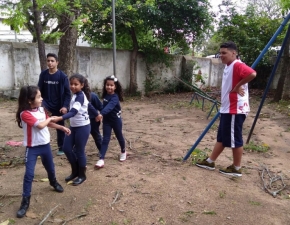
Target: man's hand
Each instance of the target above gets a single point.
(240, 90)
(63, 110)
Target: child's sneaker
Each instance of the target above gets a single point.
(60, 152)
(231, 170)
(123, 156)
(100, 164)
(205, 164)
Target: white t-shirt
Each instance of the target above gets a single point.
(80, 103)
(34, 136)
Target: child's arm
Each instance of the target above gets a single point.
(96, 101)
(111, 105)
(43, 124)
(59, 127)
(78, 102)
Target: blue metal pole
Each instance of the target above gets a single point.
(279, 30)
(269, 83)
(201, 136)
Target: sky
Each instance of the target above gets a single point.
(215, 3)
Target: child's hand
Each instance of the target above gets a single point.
(66, 130)
(63, 110)
(99, 118)
(55, 119)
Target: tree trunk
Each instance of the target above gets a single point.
(133, 64)
(38, 32)
(67, 44)
(284, 70)
(286, 89)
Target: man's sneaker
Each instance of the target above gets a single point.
(231, 170)
(123, 156)
(100, 164)
(60, 152)
(205, 164)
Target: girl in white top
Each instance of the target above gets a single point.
(74, 145)
(34, 122)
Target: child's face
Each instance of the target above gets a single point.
(51, 62)
(37, 101)
(227, 55)
(110, 86)
(75, 85)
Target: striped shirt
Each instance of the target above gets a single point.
(232, 102)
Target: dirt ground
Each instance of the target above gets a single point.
(154, 185)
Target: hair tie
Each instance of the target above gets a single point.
(113, 77)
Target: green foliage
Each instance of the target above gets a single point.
(144, 25)
(252, 147)
(251, 32)
(198, 154)
(21, 14)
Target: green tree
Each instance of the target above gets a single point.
(35, 15)
(251, 33)
(148, 24)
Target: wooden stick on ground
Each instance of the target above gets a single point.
(45, 218)
(76, 217)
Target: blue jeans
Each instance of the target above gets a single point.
(75, 143)
(116, 125)
(59, 133)
(31, 154)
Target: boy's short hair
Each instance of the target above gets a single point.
(230, 45)
(52, 55)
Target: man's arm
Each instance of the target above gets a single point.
(239, 87)
(66, 94)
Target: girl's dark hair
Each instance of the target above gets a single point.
(118, 91)
(27, 94)
(86, 89)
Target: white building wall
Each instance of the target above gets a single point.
(19, 63)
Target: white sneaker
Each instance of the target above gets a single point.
(123, 156)
(100, 164)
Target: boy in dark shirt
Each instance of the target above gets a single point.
(54, 87)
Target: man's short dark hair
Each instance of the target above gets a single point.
(52, 55)
(230, 45)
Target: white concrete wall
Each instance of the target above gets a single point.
(19, 63)
(211, 69)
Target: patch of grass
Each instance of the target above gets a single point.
(252, 147)
(185, 217)
(222, 194)
(198, 154)
(89, 203)
(161, 220)
(127, 222)
(209, 212)
(11, 221)
(254, 203)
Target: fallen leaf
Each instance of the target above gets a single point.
(31, 215)
(70, 182)
(5, 222)
(6, 163)
(44, 179)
